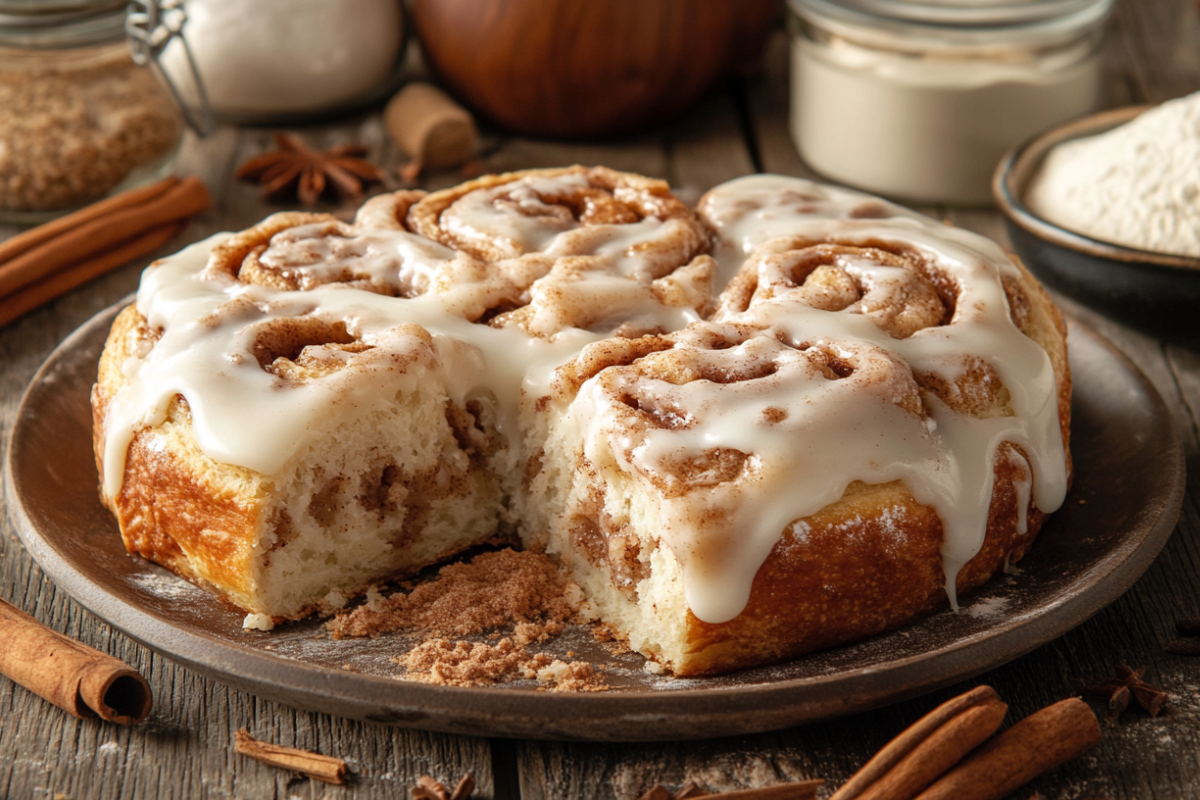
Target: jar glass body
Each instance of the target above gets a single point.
(79, 123)
(283, 61)
(920, 101)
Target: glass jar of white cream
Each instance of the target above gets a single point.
(920, 99)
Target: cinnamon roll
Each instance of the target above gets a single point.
(796, 417)
(594, 249)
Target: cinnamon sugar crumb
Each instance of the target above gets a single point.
(530, 632)
(572, 676)
(612, 640)
(493, 590)
(444, 662)
(447, 663)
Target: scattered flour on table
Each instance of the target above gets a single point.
(1137, 185)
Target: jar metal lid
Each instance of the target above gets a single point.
(1029, 17)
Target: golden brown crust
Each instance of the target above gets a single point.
(825, 587)
(828, 588)
(167, 511)
(203, 519)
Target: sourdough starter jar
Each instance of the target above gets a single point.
(78, 118)
(919, 100)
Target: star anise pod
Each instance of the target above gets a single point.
(429, 789)
(296, 167)
(1126, 682)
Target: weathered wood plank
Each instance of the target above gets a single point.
(185, 749)
(706, 146)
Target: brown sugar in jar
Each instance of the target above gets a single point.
(80, 118)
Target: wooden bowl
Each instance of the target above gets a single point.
(565, 68)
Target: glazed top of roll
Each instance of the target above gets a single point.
(833, 338)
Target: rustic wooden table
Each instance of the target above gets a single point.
(185, 749)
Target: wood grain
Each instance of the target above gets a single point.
(185, 749)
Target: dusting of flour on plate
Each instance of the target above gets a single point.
(988, 607)
(1137, 185)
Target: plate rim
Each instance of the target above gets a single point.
(660, 715)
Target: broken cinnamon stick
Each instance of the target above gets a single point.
(73, 676)
(927, 748)
(80, 236)
(428, 788)
(306, 762)
(33, 295)
(1036, 744)
(798, 790)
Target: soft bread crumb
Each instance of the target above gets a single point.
(332, 603)
(257, 622)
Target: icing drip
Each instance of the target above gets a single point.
(307, 267)
(401, 262)
(800, 432)
(247, 416)
(748, 211)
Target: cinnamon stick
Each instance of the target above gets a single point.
(85, 233)
(12, 247)
(314, 765)
(1036, 744)
(927, 748)
(33, 295)
(73, 676)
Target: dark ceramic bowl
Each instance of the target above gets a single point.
(1156, 293)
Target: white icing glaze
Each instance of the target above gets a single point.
(832, 435)
(745, 212)
(249, 417)
(521, 217)
(834, 431)
(324, 252)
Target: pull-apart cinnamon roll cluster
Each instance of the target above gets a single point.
(792, 418)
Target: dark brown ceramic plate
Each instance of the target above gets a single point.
(1126, 500)
(1156, 293)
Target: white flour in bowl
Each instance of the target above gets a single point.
(1137, 185)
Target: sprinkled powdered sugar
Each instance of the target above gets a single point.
(1137, 185)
